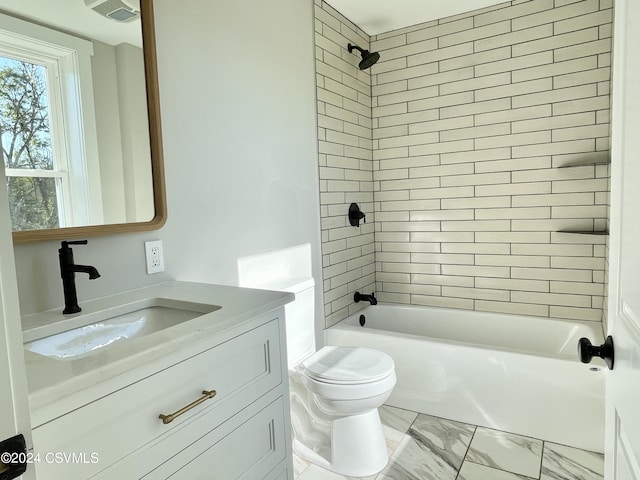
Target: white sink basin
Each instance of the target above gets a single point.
(110, 327)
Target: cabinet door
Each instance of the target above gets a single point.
(123, 429)
(280, 475)
(248, 451)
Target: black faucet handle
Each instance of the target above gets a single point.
(374, 300)
(65, 243)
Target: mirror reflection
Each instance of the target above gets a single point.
(74, 127)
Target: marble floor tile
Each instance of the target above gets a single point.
(473, 471)
(560, 462)
(432, 449)
(437, 449)
(506, 451)
(299, 465)
(395, 423)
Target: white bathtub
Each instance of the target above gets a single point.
(513, 373)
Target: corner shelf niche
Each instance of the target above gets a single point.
(594, 158)
(585, 232)
(598, 158)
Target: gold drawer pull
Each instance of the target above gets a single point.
(206, 395)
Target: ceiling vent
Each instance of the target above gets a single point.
(118, 10)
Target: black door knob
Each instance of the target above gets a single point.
(586, 351)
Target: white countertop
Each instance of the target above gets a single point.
(58, 385)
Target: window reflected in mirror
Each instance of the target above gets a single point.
(74, 122)
(35, 176)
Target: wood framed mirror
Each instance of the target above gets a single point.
(139, 132)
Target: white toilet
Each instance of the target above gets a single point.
(335, 395)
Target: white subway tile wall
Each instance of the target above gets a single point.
(345, 162)
(479, 126)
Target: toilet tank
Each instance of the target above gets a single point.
(299, 317)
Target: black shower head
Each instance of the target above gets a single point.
(368, 58)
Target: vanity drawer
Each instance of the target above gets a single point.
(114, 427)
(279, 474)
(247, 451)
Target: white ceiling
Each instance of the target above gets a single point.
(379, 16)
(372, 16)
(74, 17)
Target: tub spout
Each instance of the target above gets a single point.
(367, 298)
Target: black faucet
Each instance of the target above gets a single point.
(367, 298)
(68, 271)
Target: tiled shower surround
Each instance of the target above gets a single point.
(469, 171)
(345, 159)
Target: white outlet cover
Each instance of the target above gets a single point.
(155, 263)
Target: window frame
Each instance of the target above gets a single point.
(71, 110)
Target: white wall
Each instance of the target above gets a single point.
(105, 93)
(123, 143)
(134, 128)
(238, 110)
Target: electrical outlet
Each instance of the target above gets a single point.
(155, 258)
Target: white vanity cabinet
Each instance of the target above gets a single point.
(240, 432)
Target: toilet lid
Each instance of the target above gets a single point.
(348, 365)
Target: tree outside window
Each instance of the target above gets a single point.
(25, 137)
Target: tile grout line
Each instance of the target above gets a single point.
(475, 429)
(544, 446)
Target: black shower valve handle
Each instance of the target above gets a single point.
(355, 215)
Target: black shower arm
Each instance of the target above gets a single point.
(351, 47)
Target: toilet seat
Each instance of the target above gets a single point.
(348, 373)
(348, 365)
